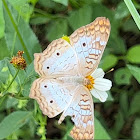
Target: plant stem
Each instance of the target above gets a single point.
(14, 96)
(12, 80)
(133, 12)
(50, 16)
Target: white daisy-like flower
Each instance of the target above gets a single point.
(99, 85)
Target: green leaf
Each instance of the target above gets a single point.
(33, 1)
(64, 2)
(57, 29)
(121, 11)
(27, 79)
(11, 102)
(124, 104)
(133, 55)
(100, 132)
(136, 129)
(130, 26)
(13, 122)
(24, 79)
(122, 76)
(108, 62)
(116, 43)
(2, 23)
(19, 35)
(7, 75)
(119, 122)
(79, 18)
(134, 106)
(30, 70)
(47, 3)
(135, 71)
(3, 49)
(23, 8)
(69, 126)
(39, 20)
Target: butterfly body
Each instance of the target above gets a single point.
(76, 80)
(65, 68)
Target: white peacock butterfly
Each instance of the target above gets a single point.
(68, 73)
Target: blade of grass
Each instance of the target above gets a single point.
(133, 12)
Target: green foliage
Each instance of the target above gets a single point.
(121, 11)
(4, 50)
(109, 61)
(100, 132)
(59, 27)
(2, 25)
(13, 122)
(134, 108)
(79, 18)
(23, 8)
(23, 22)
(122, 76)
(18, 34)
(135, 71)
(136, 129)
(133, 54)
(64, 2)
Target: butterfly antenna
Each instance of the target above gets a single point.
(110, 70)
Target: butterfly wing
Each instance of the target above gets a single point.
(81, 56)
(52, 95)
(89, 43)
(82, 114)
(58, 59)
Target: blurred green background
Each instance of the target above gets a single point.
(30, 25)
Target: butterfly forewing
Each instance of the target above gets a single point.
(89, 42)
(57, 60)
(82, 114)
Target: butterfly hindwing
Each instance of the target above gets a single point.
(52, 95)
(89, 43)
(82, 114)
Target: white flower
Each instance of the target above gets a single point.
(100, 85)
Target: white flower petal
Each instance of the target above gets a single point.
(101, 95)
(102, 84)
(98, 73)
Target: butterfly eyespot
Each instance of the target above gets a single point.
(84, 44)
(51, 101)
(58, 54)
(48, 67)
(45, 86)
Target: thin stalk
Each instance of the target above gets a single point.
(43, 13)
(133, 12)
(12, 80)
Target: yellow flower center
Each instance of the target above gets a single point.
(66, 38)
(90, 82)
